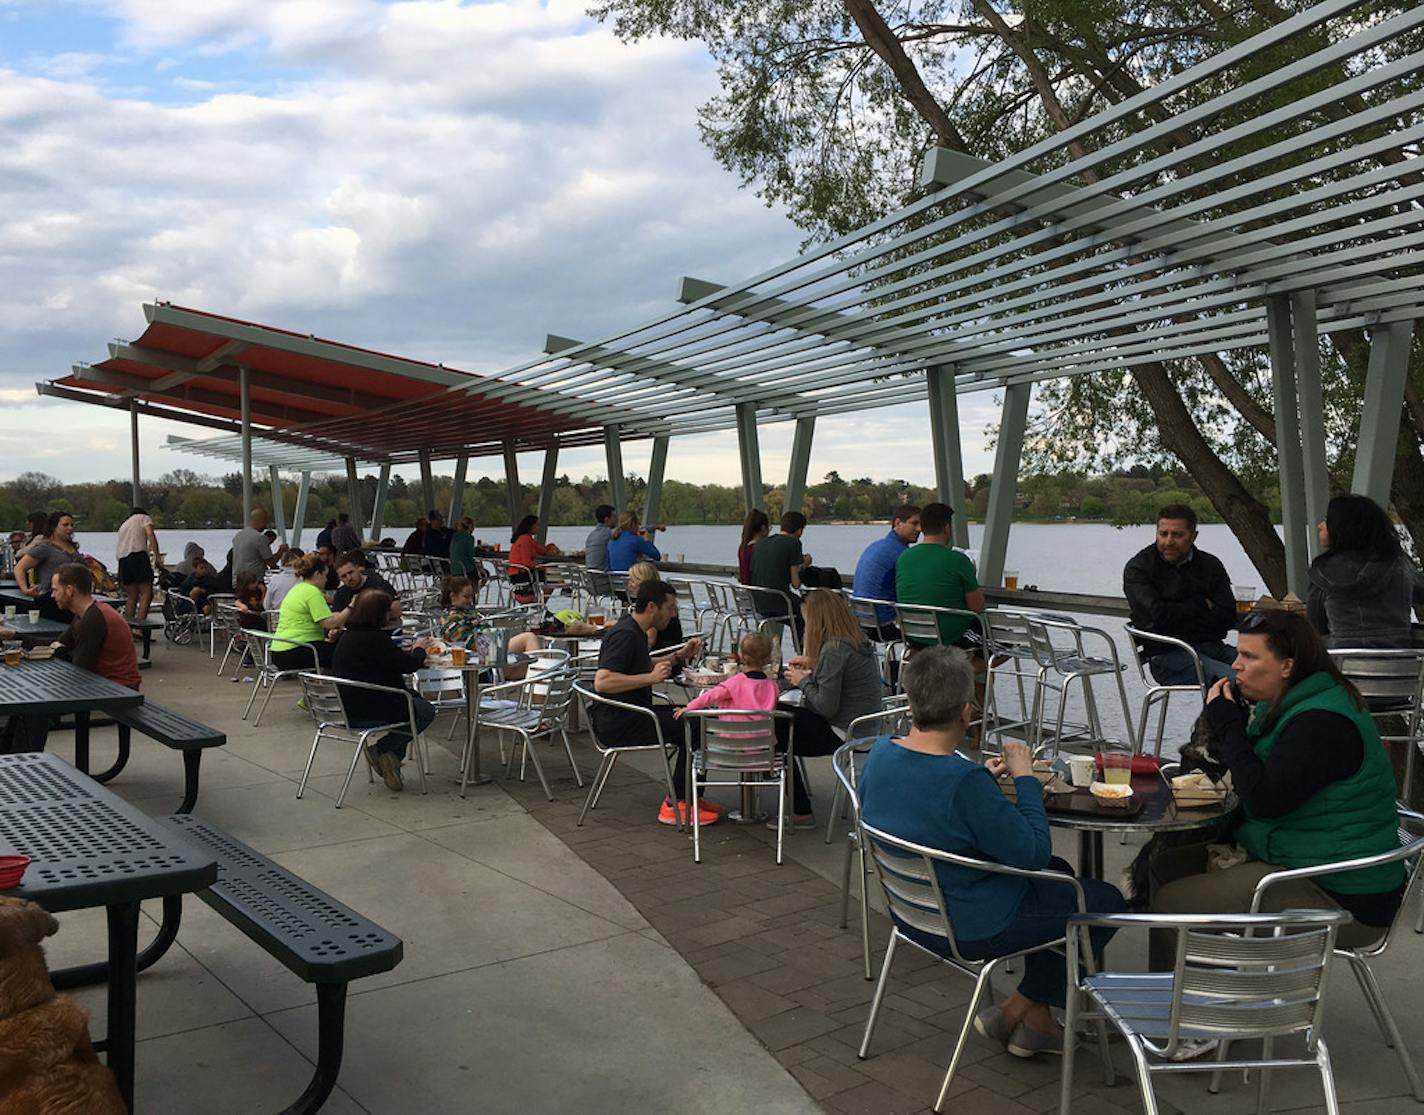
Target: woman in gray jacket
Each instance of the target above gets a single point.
(839, 679)
(1363, 587)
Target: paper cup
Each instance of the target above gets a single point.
(1082, 769)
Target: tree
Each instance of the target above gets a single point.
(828, 107)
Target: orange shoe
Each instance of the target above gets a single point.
(705, 816)
(709, 806)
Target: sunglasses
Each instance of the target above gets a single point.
(1252, 621)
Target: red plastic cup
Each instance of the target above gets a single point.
(12, 870)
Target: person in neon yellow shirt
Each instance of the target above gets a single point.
(305, 619)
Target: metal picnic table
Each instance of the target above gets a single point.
(59, 687)
(89, 848)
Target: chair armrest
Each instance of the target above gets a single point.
(1403, 852)
(593, 697)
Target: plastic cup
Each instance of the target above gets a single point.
(1245, 597)
(10, 611)
(1011, 579)
(34, 617)
(1117, 766)
(13, 647)
(597, 618)
(1082, 769)
(457, 655)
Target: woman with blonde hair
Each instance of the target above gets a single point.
(630, 545)
(839, 679)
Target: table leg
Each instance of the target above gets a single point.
(123, 961)
(472, 772)
(81, 740)
(1090, 854)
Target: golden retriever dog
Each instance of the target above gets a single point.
(47, 1064)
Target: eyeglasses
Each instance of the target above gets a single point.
(1252, 621)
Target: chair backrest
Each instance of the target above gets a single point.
(553, 693)
(439, 686)
(323, 698)
(589, 697)
(864, 610)
(1388, 680)
(892, 720)
(1006, 632)
(919, 623)
(1139, 639)
(229, 620)
(741, 740)
(907, 880)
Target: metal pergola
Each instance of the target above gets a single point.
(1215, 211)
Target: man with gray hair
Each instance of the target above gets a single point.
(921, 790)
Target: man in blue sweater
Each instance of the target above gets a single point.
(875, 571)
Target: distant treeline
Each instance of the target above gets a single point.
(182, 498)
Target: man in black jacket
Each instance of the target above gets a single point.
(1172, 588)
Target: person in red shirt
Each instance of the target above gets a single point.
(99, 639)
(525, 552)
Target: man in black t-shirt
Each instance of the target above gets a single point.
(356, 577)
(626, 673)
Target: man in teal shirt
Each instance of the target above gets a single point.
(935, 573)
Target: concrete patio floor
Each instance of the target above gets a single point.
(550, 967)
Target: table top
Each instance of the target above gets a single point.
(1160, 811)
(54, 685)
(87, 846)
(45, 630)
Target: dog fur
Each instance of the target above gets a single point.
(47, 1064)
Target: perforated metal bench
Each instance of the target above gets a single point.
(316, 937)
(172, 729)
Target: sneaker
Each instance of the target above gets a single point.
(794, 821)
(373, 759)
(1024, 1042)
(990, 1024)
(390, 770)
(705, 816)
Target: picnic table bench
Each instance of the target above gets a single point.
(316, 937)
(173, 730)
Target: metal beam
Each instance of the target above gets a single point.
(657, 467)
(948, 455)
(353, 496)
(512, 492)
(244, 397)
(800, 464)
(1002, 494)
(1381, 410)
(279, 508)
(749, 451)
(378, 509)
(1288, 445)
(427, 485)
(457, 489)
(1305, 336)
(299, 514)
(547, 484)
(133, 440)
(613, 457)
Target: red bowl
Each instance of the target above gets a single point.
(12, 870)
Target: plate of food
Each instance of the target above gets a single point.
(36, 654)
(1113, 795)
(1198, 788)
(703, 677)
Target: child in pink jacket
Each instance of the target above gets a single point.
(749, 689)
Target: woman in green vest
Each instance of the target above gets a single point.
(1316, 786)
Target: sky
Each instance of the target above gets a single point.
(446, 181)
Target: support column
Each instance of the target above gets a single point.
(1380, 412)
(512, 490)
(457, 491)
(353, 496)
(244, 402)
(800, 463)
(1005, 484)
(653, 503)
(427, 485)
(279, 507)
(299, 514)
(1306, 341)
(1288, 445)
(948, 455)
(378, 508)
(613, 455)
(749, 450)
(133, 438)
(546, 489)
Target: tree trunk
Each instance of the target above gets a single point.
(1248, 518)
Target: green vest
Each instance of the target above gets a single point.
(1347, 819)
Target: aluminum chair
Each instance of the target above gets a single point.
(913, 896)
(893, 719)
(323, 696)
(610, 751)
(1008, 650)
(1059, 648)
(540, 710)
(213, 599)
(1411, 853)
(1392, 684)
(1236, 977)
(227, 622)
(741, 743)
(1158, 695)
(268, 673)
(443, 688)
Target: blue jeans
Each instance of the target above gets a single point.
(1174, 667)
(1041, 917)
(397, 741)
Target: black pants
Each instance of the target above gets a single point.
(641, 735)
(299, 658)
(814, 736)
(884, 633)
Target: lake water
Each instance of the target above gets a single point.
(1066, 557)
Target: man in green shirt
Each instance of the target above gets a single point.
(935, 573)
(776, 564)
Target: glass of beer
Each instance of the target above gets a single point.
(1117, 764)
(1011, 579)
(457, 655)
(596, 618)
(1245, 597)
(13, 647)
